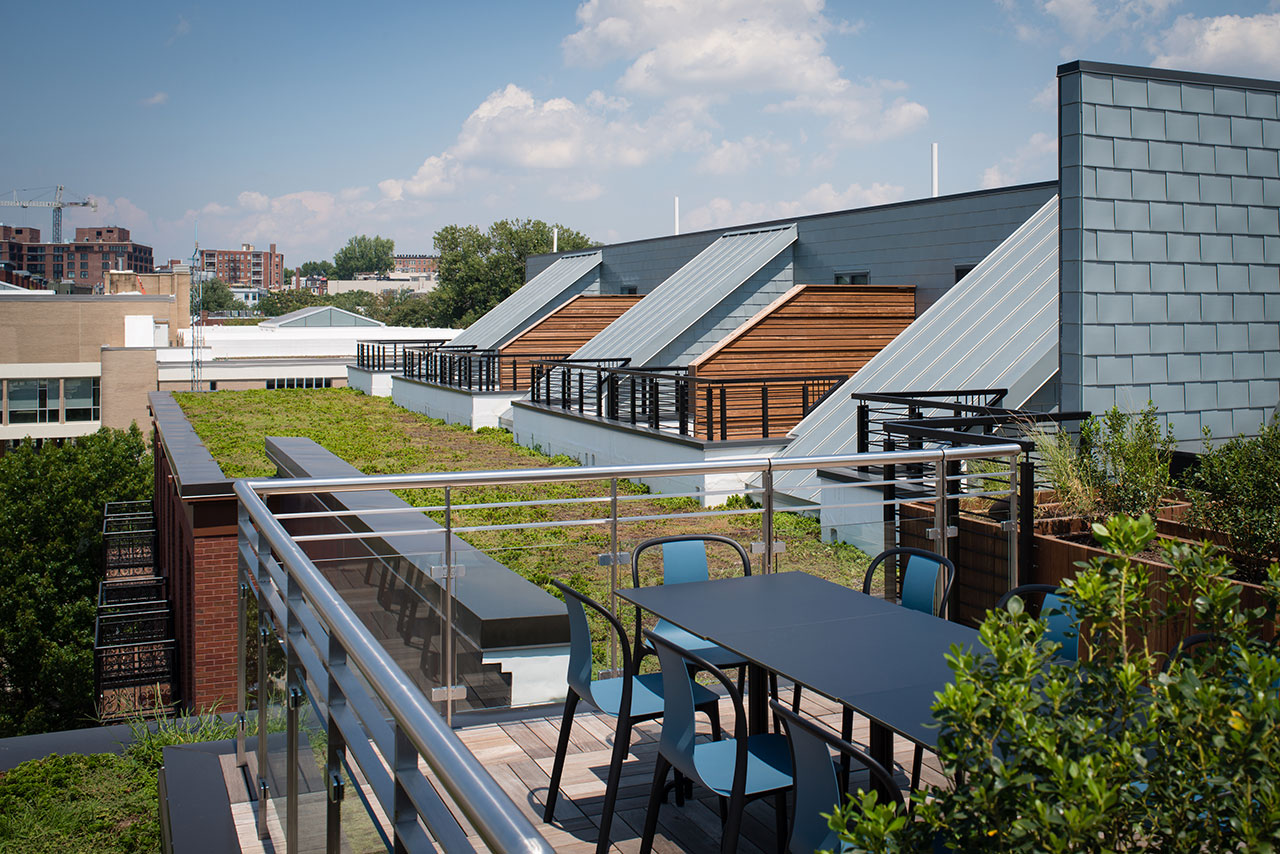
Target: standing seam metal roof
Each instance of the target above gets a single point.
(530, 303)
(996, 328)
(688, 294)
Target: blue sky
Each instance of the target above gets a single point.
(302, 124)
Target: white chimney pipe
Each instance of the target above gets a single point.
(935, 169)
(555, 237)
(677, 215)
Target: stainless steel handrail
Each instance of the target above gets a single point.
(364, 483)
(489, 809)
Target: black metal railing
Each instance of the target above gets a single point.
(477, 370)
(128, 539)
(670, 399)
(135, 649)
(389, 355)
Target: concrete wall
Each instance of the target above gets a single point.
(1170, 246)
(907, 243)
(50, 328)
(594, 442)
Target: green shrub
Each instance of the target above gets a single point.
(1236, 492)
(1115, 753)
(1119, 466)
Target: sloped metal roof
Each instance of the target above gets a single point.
(534, 300)
(688, 294)
(996, 328)
(321, 315)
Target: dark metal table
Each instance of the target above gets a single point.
(878, 658)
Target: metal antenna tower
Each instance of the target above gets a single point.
(197, 322)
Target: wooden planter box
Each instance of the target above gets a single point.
(980, 552)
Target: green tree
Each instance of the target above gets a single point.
(277, 303)
(364, 254)
(213, 295)
(479, 269)
(317, 268)
(414, 311)
(51, 502)
(360, 302)
(1122, 751)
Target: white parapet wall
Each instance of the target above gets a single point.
(372, 383)
(593, 441)
(456, 406)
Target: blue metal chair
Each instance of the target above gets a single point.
(1058, 612)
(629, 698)
(684, 559)
(818, 785)
(736, 769)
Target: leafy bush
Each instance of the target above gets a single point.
(1120, 464)
(1236, 492)
(51, 502)
(1120, 752)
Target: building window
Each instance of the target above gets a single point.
(82, 399)
(963, 270)
(84, 274)
(300, 382)
(33, 401)
(853, 277)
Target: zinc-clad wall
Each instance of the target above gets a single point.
(1170, 246)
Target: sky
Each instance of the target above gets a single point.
(304, 124)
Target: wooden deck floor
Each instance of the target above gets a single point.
(519, 756)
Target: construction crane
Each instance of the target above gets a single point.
(57, 204)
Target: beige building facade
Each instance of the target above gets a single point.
(70, 364)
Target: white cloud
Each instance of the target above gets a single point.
(1047, 98)
(1228, 44)
(253, 201)
(731, 47)
(721, 212)
(156, 100)
(736, 156)
(1074, 25)
(1034, 160)
(180, 29)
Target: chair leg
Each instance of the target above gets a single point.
(733, 824)
(780, 808)
(915, 767)
(712, 711)
(655, 803)
(562, 747)
(621, 744)
(795, 699)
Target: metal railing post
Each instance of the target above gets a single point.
(724, 415)
(291, 757)
(242, 677)
(1026, 520)
(940, 505)
(446, 647)
(1014, 515)
(767, 519)
(404, 761)
(890, 516)
(864, 428)
(264, 788)
(613, 570)
(337, 749)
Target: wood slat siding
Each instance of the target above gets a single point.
(813, 329)
(570, 326)
(561, 333)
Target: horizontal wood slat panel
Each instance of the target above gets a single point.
(570, 326)
(813, 329)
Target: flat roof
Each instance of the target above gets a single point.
(1167, 74)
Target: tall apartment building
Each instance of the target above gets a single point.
(428, 264)
(245, 266)
(83, 261)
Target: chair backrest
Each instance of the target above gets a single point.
(817, 783)
(678, 727)
(684, 559)
(1057, 612)
(926, 578)
(580, 653)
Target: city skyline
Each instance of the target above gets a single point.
(265, 126)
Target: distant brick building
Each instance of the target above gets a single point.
(245, 266)
(83, 261)
(428, 264)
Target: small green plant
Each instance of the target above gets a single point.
(1235, 490)
(152, 736)
(1120, 465)
(1122, 751)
